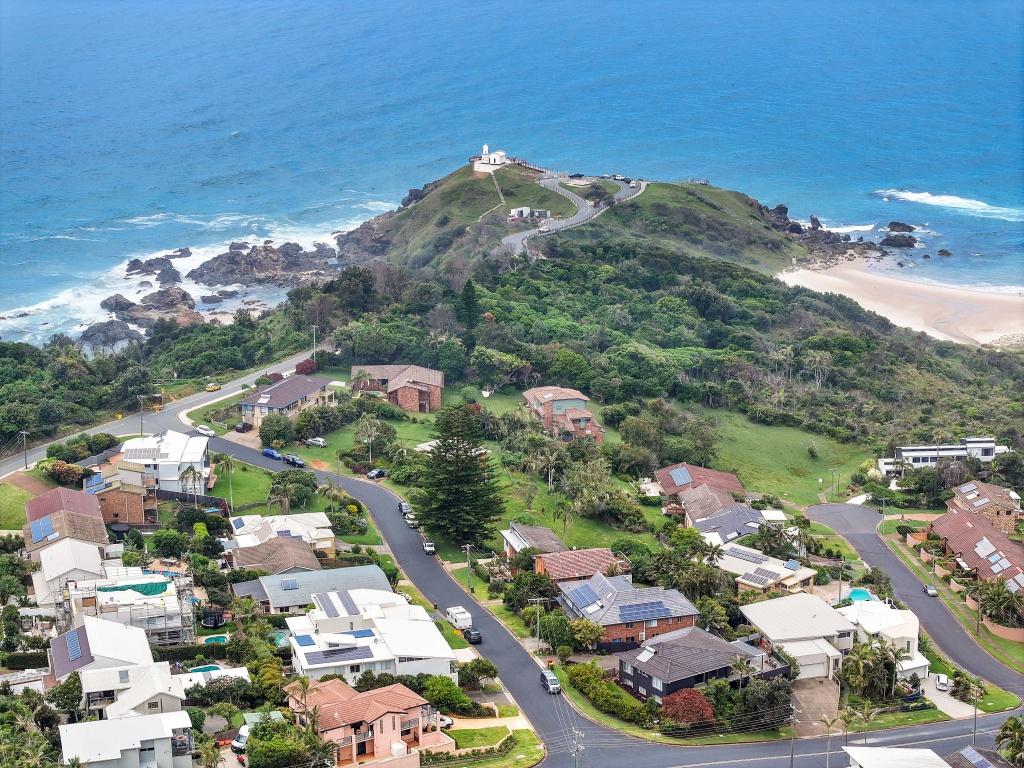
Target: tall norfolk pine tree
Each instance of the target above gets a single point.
(459, 497)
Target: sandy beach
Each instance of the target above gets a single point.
(948, 313)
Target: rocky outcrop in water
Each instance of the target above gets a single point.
(166, 304)
(116, 303)
(253, 264)
(899, 226)
(815, 223)
(899, 241)
(820, 242)
(159, 266)
(109, 334)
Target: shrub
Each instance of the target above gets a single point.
(589, 680)
(688, 706)
(306, 367)
(209, 651)
(25, 660)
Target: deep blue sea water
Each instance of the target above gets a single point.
(129, 129)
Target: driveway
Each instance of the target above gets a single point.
(814, 698)
(953, 707)
(857, 525)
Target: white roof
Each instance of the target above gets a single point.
(758, 569)
(117, 641)
(774, 515)
(188, 679)
(798, 649)
(800, 616)
(99, 740)
(156, 680)
(166, 447)
(311, 527)
(876, 617)
(414, 638)
(894, 757)
(110, 678)
(66, 555)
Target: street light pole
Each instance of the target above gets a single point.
(315, 327)
(24, 446)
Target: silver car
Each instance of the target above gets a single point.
(930, 590)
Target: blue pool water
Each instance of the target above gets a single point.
(206, 668)
(216, 639)
(163, 125)
(857, 595)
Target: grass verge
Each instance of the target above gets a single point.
(453, 636)
(12, 507)
(468, 738)
(526, 751)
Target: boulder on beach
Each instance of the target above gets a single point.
(226, 293)
(181, 253)
(116, 303)
(211, 299)
(109, 334)
(166, 304)
(899, 241)
(795, 228)
(899, 226)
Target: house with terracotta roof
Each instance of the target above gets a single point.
(980, 547)
(678, 477)
(61, 500)
(629, 615)
(387, 725)
(1000, 505)
(60, 514)
(563, 413)
(277, 555)
(577, 564)
(410, 387)
(288, 397)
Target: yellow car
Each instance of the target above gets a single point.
(212, 387)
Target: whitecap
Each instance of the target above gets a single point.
(377, 206)
(953, 202)
(843, 230)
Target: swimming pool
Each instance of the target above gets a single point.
(206, 668)
(280, 637)
(216, 639)
(859, 594)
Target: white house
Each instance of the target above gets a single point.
(129, 691)
(312, 527)
(61, 562)
(520, 213)
(893, 757)
(359, 630)
(897, 628)
(489, 162)
(161, 459)
(807, 628)
(97, 644)
(150, 741)
(757, 572)
(984, 449)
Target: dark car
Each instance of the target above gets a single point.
(376, 474)
(472, 636)
(271, 453)
(404, 508)
(295, 461)
(244, 426)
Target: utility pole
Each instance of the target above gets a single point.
(538, 601)
(834, 472)
(142, 408)
(24, 446)
(974, 736)
(792, 738)
(576, 747)
(314, 342)
(469, 569)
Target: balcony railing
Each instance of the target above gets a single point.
(364, 736)
(409, 724)
(182, 743)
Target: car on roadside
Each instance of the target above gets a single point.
(428, 548)
(205, 431)
(404, 508)
(317, 442)
(243, 427)
(930, 590)
(472, 636)
(272, 453)
(549, 682)
(239, 742)
(376, 474)
(443, 721)
(293, 460)
(212, 387)
(411, 521)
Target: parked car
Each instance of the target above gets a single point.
(212, 386)
(472, 636)
(411, 521)
(376, 474)
(293, 460)
(549, 682)
(930, 590)
(941, 682)
(238, 745)
(272, 453)
(428, 548)
(404, 508)
(243, 426)
(317, 442)
(459, 617)
(443, 721)
(204, 430)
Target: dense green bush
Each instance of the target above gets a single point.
(26, 660)
(589, 680)
(210, 651)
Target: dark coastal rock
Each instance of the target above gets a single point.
(781, 211)
(226, 293)
(944, 252)
(211, 299)
(145, 284)
(236, 246)
(899, 241)
(166, 304)
(159, 266)
(109, 334)
(169, 299)
(249, 265)
(368, 241)
(815, 223)
(926, 256)
(181, 253)
(116, 303)
(135, 265)
(899, 226)
(795, 227)
(168, 276)
(846, 238)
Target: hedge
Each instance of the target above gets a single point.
(589, 680)
(503, 747)
(210, 651)
(26, 660)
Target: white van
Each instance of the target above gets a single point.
(941, 682)
(459, 617)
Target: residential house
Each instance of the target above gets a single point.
(807, 628)
(129, 691)
(976, 757)
(1000, 505)
(189, 679)
(630, 615)
(292, 593)
(376, 725)
(126, 495)
(984, 449)
(349, 632)
(893, 626)
(66, 560)
(410, 387)
(520, 537)
(981, 548)
(60, 500)
(97, 644)
(520, 213)
(736, 520)
(694, 504)
(161, 740)
(63, 514)
(757, 572)
(159, 605)
(686, 658)
(167, 461)
(678, 477)
(281, 554)
(313, 528)
(288, 397)
(893, 757)
(563, 413)
(578, 564)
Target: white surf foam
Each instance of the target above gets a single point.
(953, 202)
(849, 229)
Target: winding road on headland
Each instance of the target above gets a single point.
(516, 242)
(554, 720)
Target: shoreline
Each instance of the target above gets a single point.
(970, 316)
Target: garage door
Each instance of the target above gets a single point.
(815, 669)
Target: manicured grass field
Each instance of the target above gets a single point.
(508, 710)
(249, 485)
(452, 635)
(899, 719)
(890, 525)
(520, 189)
(776, 460)
(466, 738)
(526, 751)
(204, 414)
(12, 507)
(479, 588)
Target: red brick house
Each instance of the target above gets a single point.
(577, 564)
(410, 387)
(563, 412)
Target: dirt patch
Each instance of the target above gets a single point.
(320, 464)
(33, 485)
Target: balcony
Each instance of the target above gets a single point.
(408, 725)
(182, 743)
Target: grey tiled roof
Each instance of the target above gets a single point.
(333, 579)
(619, 601)
(287, 391)
(731, 519)
(686, 653)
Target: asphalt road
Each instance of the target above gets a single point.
(857, 525)
(552, 717)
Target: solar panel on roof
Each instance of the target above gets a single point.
(984, 548)
(305, 641)
(755, 579)
(74, 647)
(792, 565)
(289, 584)
(339, 654)
(997, 567)
(995, 558)
(583, 596)
(681, 476)
(980, 502)
(643, 611)
(645, 655)
(359, 633)
(748, 555)
(1004, 563)
(237, 523)
(968, 488)
(326, 604)
(348, 603)
(766, 573)
(974, 758)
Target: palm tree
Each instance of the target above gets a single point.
(360, 379)
(548, 460)
(209, 755)
(829, 723)
(191, 476)
(565, 511)
(227, 463)
(713, 553)
(743, 668)
(866, 714)
(243, 610)
(278, 497)
(847, 717)
(1010, 739)
(895, 655)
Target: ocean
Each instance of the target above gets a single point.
(131, 129)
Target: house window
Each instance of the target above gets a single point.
(629, 625)
(641, 690)
(652, 623)
(153, 706)
(627, 669)
(656, 684)
(353, 668)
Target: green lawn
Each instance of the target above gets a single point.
(371, 537)
(519, 188)
(478, 585)
(890, 524)
(221, 416)
(508, 710)
(466, 738)
(997, 700)
(775, 460)
(452, 635)
(899, 719)
(249, 485)
(526, 751)
(609, 186)
(12, 507)
(512, 620)
(42, 477)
